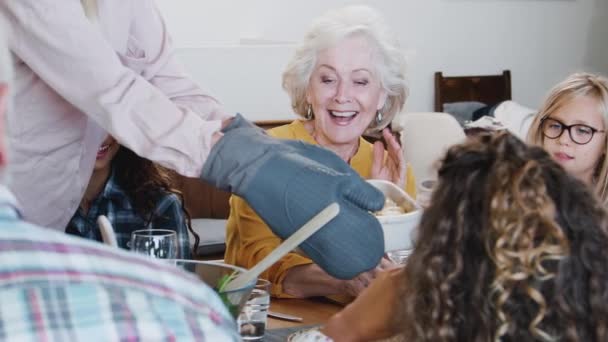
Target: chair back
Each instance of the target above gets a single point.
(488, 89)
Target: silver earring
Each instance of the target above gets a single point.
(309, 113)
(378, 117)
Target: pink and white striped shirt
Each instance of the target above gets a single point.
(76, 80)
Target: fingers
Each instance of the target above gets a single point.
(378, 159)
(392, 168)
(389, 137)
(386, 264)
(356, 285)
(395, 159)
(365, 279)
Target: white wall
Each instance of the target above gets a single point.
(239, 54)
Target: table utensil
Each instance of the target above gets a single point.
(287, 246)
(284, 316)
(108, 236)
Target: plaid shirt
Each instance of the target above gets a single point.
(114, 203)
(54, 287)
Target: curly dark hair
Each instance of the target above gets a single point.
(511, 248)
(145, 182)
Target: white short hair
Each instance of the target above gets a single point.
(330, 29)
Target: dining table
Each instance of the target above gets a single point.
(313, 311)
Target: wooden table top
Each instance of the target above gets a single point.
(312, 310)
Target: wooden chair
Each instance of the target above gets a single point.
(489, 89)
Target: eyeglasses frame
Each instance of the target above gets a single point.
(567, 128)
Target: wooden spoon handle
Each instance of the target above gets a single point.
(309, 228)
(107, 232)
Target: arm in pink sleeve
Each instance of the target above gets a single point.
(150, 38)
(148, 106)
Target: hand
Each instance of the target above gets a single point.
(287, 182)
(372, 314)
(359, 283)
(392, 168)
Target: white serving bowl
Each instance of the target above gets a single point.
(399, 230)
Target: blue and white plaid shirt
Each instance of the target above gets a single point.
(54, 287)
(114, 203)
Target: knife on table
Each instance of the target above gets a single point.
(284, 316)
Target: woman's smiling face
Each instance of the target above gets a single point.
(344, 91)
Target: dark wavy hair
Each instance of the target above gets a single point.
(146, 182)
(512, 248)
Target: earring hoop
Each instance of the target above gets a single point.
(378, 118)
(309, 113)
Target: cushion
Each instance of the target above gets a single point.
(515, 117)
(212, 233)
(462, 111)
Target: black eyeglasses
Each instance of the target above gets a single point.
(579, 133)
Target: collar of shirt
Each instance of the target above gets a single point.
(113, 191)
(111, 202)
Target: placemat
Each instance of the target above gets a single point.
(280, 335)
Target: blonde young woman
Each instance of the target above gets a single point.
(571, 125)
(346, 78)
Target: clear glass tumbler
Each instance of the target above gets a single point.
(253, 317)
(155, 243)
(399, 256)
(424, 192)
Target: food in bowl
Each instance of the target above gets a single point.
(233, 308)
(392, 208)
(399, 228)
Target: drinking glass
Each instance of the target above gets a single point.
(156, 243)
(399, 256)
(253, 317)
(424, 192)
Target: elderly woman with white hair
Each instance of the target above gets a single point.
(346, 79)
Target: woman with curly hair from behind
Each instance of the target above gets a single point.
(512, 248)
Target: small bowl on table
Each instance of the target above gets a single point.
(399, 228)
(212, 273)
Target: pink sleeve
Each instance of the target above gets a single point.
(142, 98)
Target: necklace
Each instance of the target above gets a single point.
(344, 156)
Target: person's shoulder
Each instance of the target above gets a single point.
(290, 131)
(167, 199)
(43, 249)
(365, 144)
(169, 196)
(92, 275)
(366, 149)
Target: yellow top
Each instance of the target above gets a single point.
(249, 239)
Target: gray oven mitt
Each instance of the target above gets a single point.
(287, 182)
